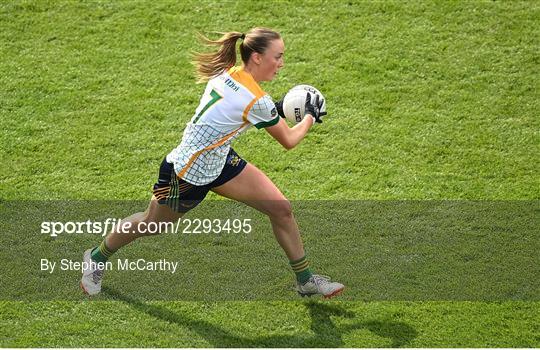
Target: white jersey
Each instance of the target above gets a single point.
(231, 103)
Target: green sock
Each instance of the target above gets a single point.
(101, 253)
(301, 269)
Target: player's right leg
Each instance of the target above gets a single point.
(172, 197)
(93, 274)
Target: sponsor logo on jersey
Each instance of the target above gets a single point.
(231, 84)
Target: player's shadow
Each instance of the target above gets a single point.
(324, 332)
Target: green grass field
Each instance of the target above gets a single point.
(420, 191)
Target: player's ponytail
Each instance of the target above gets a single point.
(211, 64)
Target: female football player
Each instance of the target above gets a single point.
(204, 161)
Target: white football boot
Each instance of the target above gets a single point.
(92, 276)
(319, 284)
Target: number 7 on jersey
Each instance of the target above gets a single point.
(214, 98)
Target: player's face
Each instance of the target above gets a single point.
(272, 59)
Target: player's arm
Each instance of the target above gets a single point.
(290, 137)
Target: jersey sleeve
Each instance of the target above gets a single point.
(263, 113)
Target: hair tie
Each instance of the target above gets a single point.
(243, 36)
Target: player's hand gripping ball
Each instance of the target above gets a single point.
(296, 100)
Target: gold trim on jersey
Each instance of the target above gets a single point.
(246, 79)
(212, 146)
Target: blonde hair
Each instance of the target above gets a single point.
(210, 64)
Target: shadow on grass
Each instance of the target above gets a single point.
(324, 331)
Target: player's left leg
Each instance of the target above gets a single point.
(253, 187)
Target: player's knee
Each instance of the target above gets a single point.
(281, 209)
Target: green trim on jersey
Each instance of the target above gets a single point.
(267, 124)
